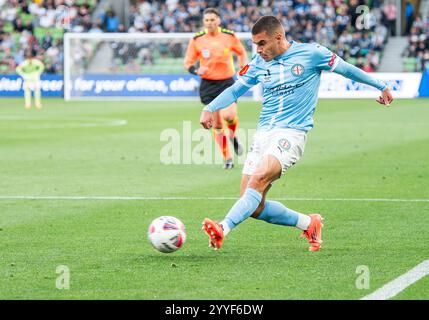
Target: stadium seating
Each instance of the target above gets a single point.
(333, 23)
(416, 55)
(38, 25)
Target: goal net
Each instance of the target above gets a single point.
(131, 65)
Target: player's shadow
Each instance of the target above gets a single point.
(179, 257)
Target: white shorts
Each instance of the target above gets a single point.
(287, 145)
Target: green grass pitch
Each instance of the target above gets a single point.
(357, 150)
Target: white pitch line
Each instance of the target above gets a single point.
(46, 123)
(399, 284)
(133, 198)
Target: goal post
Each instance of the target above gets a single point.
(132, 65)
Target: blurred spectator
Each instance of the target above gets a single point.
(111, 22)
(95, 28)
(417, 53)
(367, 67)
(342, 20)
(353, 11)
(425, 61)
(145, 9)
(409, 15)
(390, 12)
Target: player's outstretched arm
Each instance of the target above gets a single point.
(351, 72)
(206, 119)
(386, 97)
(225, 99)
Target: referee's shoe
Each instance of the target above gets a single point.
(228, 164)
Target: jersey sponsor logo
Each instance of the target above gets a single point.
(284, 144)
(205, 53)
(285, 89)
(243, 70)
(331, 62)
(297, 70)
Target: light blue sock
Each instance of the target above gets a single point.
(276, 213)
(243, 208)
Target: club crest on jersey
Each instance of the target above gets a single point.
(297, 70)
(205, 53)
(284, 144)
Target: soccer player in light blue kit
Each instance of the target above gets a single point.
(290, 76)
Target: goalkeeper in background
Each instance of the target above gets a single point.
(213, 47)
(30, 70)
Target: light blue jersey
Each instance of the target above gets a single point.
(290, 84)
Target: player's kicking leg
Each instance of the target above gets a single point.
(255, 187)
(252, 203)
(230, 116)
(314, 232)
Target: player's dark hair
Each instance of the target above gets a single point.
(269, 24)
(211, 10)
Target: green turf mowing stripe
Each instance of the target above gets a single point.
(399, 284)
(131, 198)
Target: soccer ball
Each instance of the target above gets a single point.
(167, 234)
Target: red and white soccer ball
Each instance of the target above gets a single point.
(167, 234)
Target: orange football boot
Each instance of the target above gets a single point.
(314, 232)
(215, 232)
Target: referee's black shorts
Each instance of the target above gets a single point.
(210, 89)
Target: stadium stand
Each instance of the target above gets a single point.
(333, 23)
(39, 26)
(416, 55)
